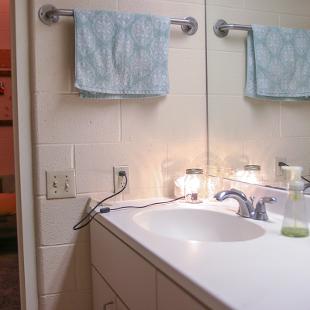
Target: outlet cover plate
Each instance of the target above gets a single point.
(279, 173)
(117, 180)
(60, 184)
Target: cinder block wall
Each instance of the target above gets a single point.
(158, 138)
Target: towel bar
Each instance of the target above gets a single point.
(49, 15)
(221, 28)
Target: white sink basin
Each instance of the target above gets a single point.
(197, 225)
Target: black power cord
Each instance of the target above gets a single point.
(281, 164)
(89, 217)
(107, 209)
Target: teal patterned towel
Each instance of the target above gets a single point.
(121, 55)
(278, 63)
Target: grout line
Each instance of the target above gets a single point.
(120, 121)
(227, 95)
(244, 8)
(227, 51)
(280, 121)
(187, 3)
(59, 245)
(58, 144)
(73, 158)
(225, 6)
(230, 95)
(150, 98)
(75, 268)
(207, 140)
(66, 292)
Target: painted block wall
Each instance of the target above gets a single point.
(157, 138)
(243, 130)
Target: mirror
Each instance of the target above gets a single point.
(244, 131)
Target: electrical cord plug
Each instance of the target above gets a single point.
(105, 210)
(89, 217)
(122, 173)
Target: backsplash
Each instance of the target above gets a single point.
(243, 130)
(157, 138)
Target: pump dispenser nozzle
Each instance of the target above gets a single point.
(294, 177)
(295, 222)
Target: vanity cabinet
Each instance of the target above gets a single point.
(123, 279)
(170, 296)
(103, 296)
(130, 276)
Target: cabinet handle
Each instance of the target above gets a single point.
(106, 306)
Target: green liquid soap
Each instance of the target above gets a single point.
(295, 232)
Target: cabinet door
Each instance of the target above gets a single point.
(120, 305)
(171, 297)
(103, 297)
(131, 277)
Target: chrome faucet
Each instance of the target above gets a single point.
(246, 208)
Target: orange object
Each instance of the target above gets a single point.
(5, 59)
(7, 204)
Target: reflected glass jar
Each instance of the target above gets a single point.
(252, 174)
(194, 185)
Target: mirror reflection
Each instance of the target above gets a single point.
(258, 112)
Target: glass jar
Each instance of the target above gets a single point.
(250, 174)
(253, 174)
(194, 185)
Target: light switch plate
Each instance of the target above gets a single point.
(60, 184)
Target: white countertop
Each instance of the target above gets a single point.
(271, 272)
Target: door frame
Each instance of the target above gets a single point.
(22, 125)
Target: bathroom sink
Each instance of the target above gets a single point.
(197, 225)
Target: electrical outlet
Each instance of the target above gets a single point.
(119, 181)
(278, 170)
(60, 184)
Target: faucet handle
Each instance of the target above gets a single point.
(260, 210)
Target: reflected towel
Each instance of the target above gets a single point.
(278, 63)
(121, 55)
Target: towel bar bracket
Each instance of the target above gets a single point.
(221, 28)
(189, 25)
(217, 28)
(49, 15)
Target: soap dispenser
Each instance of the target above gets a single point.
(295, 222)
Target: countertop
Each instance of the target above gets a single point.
(270, 272)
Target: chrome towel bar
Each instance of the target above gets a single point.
(221, 28)
(49, 15)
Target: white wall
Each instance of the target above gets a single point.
(243, 130)
(157, 138)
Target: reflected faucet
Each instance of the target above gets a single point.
(246, 208)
